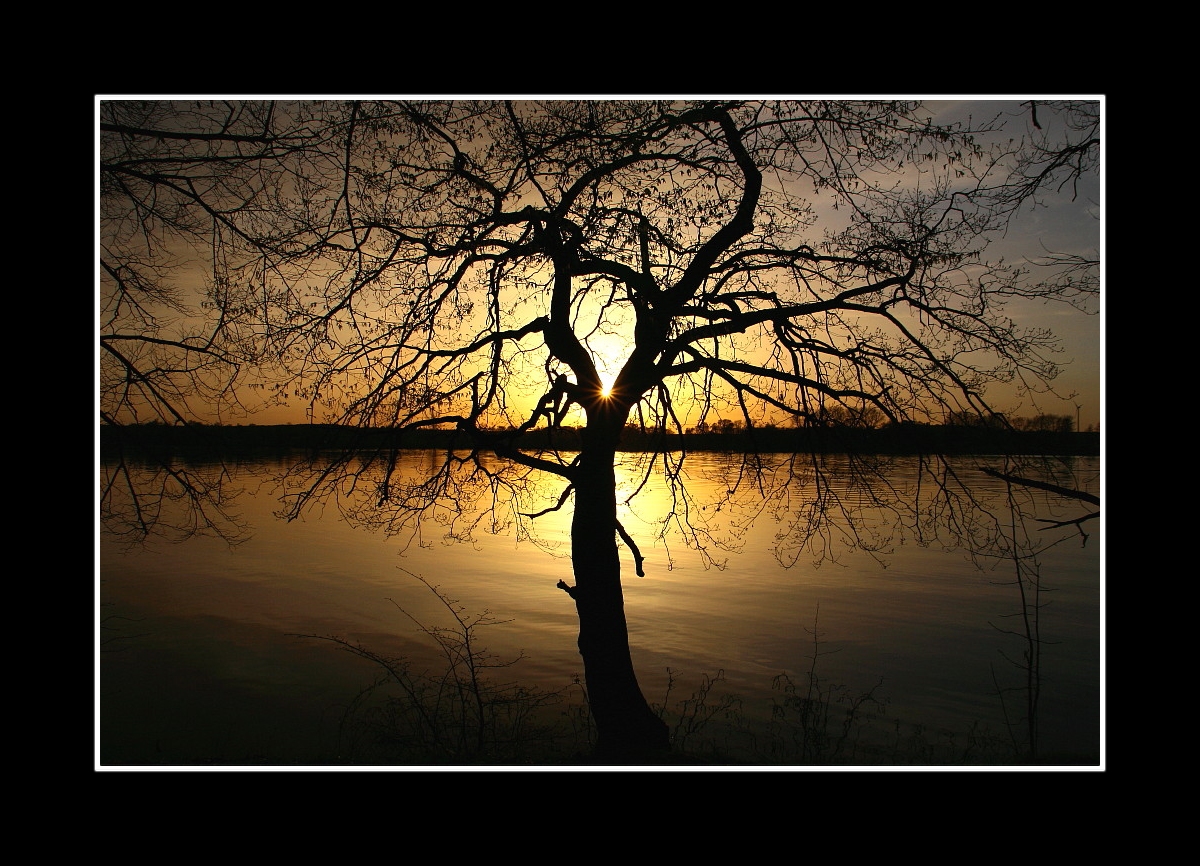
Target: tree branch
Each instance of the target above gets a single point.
(1043, 485)
(638, 559)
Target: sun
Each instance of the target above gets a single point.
(606, 386)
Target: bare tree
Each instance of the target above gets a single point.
(481, 265)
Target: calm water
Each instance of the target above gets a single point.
(204, 670)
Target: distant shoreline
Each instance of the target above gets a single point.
(249, 440)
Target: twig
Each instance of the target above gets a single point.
(562, 499)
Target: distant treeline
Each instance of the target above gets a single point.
(209, 441)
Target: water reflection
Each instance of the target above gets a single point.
(738, 561)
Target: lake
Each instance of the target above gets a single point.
(200, 664)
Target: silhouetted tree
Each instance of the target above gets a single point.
(481, 264)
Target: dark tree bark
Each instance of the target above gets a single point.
(627, 727)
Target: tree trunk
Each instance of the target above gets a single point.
(627, 728)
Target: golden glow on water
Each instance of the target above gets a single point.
(717, 595)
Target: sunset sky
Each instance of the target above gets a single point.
(1070, 224)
